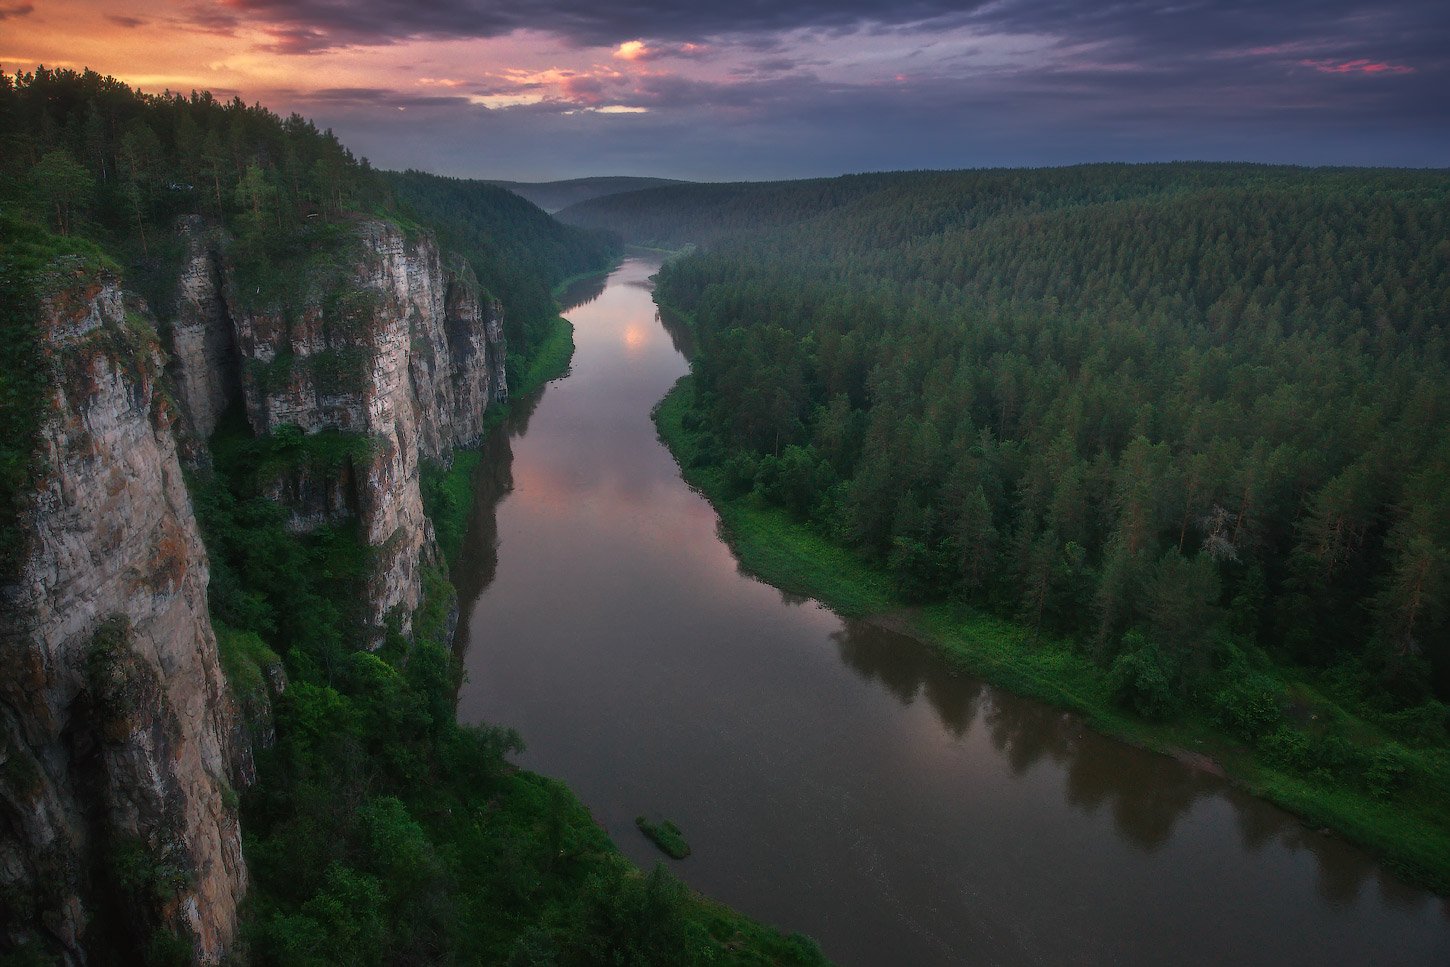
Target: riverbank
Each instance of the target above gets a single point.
(1412, 837)
(448, 490)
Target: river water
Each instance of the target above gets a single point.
(833, 777)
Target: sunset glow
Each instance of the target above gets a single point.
(474, 88)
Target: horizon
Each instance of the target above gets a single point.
(540, 92)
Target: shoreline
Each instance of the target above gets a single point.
(792, 557)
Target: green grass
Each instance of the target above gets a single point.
(546, 361)
(448, 498)
(563, 286)
(664, 834)
(245, 658)
(1410, 830)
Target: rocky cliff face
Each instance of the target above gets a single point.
(204, 365)
(398, 349)
(120, 744)
(118, 731)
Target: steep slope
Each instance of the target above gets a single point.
(316, 346)
(121, 742)
(378, 341)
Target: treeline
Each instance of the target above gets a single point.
(86, 156)
(516, 250)
(1181, 414)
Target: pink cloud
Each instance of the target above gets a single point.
(634, 50)
(638, 50)
(1360, 66)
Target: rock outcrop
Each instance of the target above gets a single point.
(393, 347)
(204, 365)
(119, 734)
(120, 742)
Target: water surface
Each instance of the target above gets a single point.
(833, 777)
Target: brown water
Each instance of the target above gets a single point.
(835, 778)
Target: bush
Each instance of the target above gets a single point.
(740, 470)
(1142, 678)
(1250, 705)
(1425, 724)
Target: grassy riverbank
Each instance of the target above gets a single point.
(563, 286)
(1408, 826)
(448, 490)
(548, 360)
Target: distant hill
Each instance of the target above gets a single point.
(554, 195)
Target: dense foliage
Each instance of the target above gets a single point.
(91, 157)
(517, 251)
(381, 830)
(86, 156)
(1187, 400)
(1188, 416)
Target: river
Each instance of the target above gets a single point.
(833, 777)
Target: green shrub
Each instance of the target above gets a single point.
(664, 834)
(1249, 705)
(1142, 679)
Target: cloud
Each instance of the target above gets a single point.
(303, 26)
(633, 50)
(10, 10)
(638, 50)
(368, 98)
(129, 23)
(1360, 66)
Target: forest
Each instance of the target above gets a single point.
(518, 252)
(379, 830)
(1189, 420)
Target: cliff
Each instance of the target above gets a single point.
(119, 733)
(122, 744)
(382, 341)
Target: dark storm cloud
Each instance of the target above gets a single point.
(1146, 29)
(304, 25)
(1002, 82)
(369, 97)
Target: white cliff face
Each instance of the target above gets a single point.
(116, 722)
(118, 735)
(406, 354)
(204, 364)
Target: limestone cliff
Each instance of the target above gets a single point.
(120, 743)
(204, 365)
(394, 347)
(119, 736)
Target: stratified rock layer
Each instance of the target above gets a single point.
(118, 731)
(398, 349)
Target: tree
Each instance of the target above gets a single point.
(63, 186)
(141, 157)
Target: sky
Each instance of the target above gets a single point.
(536, 90)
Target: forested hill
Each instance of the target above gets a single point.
(518, 251)
(672, 216)
(1194, 419)
(554, 195)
